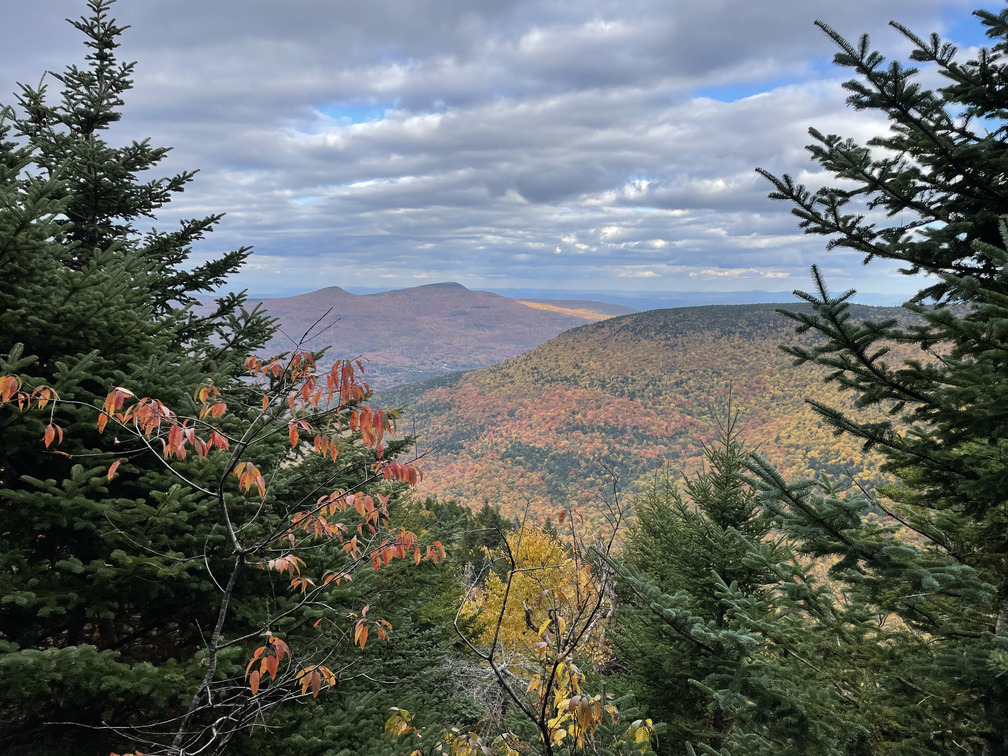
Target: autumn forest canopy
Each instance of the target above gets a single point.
(211, 546)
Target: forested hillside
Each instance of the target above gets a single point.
(627, 395)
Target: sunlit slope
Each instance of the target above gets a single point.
(624, 396)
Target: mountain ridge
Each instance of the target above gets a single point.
(406, 335)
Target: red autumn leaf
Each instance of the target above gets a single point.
(280, 648)
(271, 663)
(201, 446)
(113, 467)
(216, 439)
(254, 682)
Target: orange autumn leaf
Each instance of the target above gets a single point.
(287, 563)
(248, 476)
(43, 395)
(360, 633)
(9, 385)
(115, 398)
(258, 652)
(314, 678)
(52, 432)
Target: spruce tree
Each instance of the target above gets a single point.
(931, 195)
(716, 629)
(105, 591)
(104, 196)
(131, 602)
(685, 541)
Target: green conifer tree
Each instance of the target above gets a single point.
(105, 593)
(715, 630)
(130, 600)
(931, 195)
(104, 196)
(686, 539)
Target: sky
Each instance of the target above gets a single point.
(567, 145)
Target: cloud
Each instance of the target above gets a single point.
(591, 145)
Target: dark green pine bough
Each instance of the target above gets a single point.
(730, 630)
(932, 194)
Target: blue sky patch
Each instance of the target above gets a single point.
(819, 68)
(965, 29)
(348, 113)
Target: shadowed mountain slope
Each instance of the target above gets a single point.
(413, 334)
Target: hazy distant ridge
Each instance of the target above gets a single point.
(413, 334)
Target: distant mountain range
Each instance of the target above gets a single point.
(626, 396)
(640, 300)
(414, 334)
